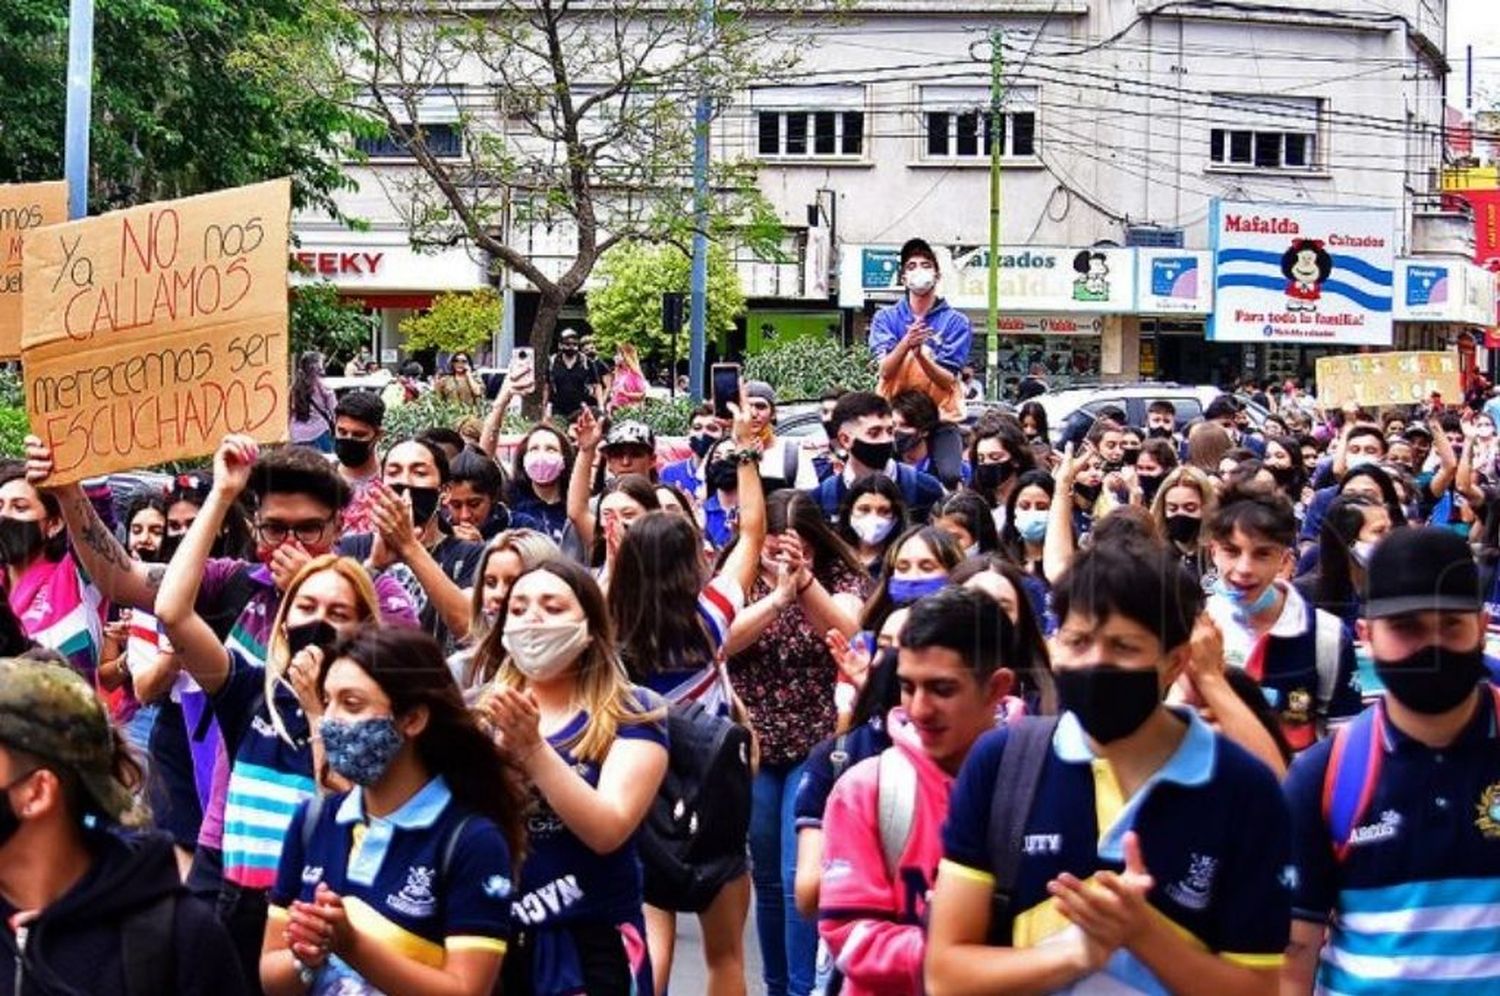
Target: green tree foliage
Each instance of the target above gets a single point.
(323, 321)
(186, 98)
(454, 322)
(804, 368)
(628, 305)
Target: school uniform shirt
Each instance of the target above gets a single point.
(1214, 834)
(873, 917)
(1284, 660)
(919, 491)
(823, 769)
(1414, 906)
(719, 602)
(459, 559)
(685, 474)
(551, 520)
(269, 777)
(389, 872)
(565, 884)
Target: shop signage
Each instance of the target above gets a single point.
(334, 264)
(24, 207)
(1100, 280)
(1291, 273)
(1174, 281)
(1449, 291)
(1010, 325)
(1375, 379)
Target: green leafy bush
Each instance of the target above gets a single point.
(802, 369)
(13, 430)
(666, 418)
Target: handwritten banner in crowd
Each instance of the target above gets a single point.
(151, 333)
(1375, 379)
(24, 207)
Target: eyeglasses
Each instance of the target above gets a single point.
(276, 533)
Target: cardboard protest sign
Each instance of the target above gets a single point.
(24, 207)
(150, 333)
(1375, 379)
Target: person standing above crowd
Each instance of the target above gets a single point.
(922, 344)
(571, 380)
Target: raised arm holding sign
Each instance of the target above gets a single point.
(150, 334)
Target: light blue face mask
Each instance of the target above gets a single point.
(1032, 524)
(1236, 598)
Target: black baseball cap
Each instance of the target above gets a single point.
(917, 247)
(1422, 569)
(1416, 429)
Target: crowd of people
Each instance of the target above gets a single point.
(961, 708)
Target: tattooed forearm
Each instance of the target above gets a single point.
(154, 575)
(100, 540)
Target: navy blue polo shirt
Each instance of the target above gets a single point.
(389, 872)
(1213, 829)
(818, 776)
(1414, 906)
(563, 880)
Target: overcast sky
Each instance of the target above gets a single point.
(1477, 23)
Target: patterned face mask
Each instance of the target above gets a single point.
(360, 750)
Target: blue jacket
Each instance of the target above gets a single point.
(951, 335)
(919, 490)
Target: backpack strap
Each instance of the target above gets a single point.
(450, 846)
(147, 948)
(310, 821)
(1351, 776)
(896, 798)
(1329, 639)
(789, 462)
(839, 756)
(1027, 744)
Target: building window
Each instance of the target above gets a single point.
(809, 122)
(957, 123)
(445, 141)
(1254, 132)
(810, 134)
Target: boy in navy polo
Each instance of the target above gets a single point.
(1396, 819)
(863, 429)
(1302, 656)
(1154, 854)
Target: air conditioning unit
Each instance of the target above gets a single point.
(1153, 237)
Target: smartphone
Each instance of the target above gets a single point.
(526, 357)
(725, 382)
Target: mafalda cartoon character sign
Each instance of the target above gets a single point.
(1092, 282)
(1306, 266)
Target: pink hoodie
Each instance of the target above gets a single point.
(874, 922)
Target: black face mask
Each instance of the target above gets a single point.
(20, 539)
(1110, 702)
(907, 441)
(831, 431)
(701, 443)
(353, 452)
(1088, 492)
(988, 476)
(320, 634)
(1113, 466)
(1159, 432)
(723, 475)
(1131, 455)
(1284, 476)
(1183, 528)
(569, 348)
(872, 455)
(168, 550)
(1150, 484)
(424, 502)
(1432, 680)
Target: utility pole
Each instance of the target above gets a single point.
(697, 340)
(996, 133)
(80, 100)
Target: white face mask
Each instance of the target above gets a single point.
(872, 529)
(1362, 551)
(921, 280)
(1356, 460)
(543, 650)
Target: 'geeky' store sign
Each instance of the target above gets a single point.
(1294, 273)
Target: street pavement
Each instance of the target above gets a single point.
(688, 975)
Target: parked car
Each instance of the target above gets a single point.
(1072, 410)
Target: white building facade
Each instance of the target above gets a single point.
(1123, 122)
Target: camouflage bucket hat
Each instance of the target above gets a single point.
(50, 712)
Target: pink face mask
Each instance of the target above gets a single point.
(543, 467)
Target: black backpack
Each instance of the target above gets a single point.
(693, 840)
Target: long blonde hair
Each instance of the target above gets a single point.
(532, 549)
(278, 651)
(1186, 476)
(629, 357)
(601, 686)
